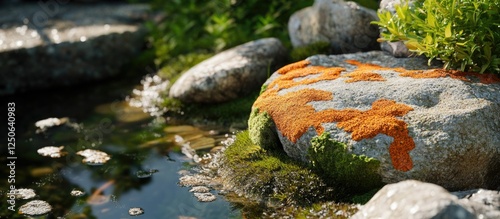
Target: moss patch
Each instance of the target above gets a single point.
(262, 130)
(271, 175)
(355, 173)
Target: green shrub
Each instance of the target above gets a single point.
(464, 34)
(211, 26)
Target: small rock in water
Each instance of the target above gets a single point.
(200, 189)
(77, 193)
(145, 173)
(196, 180)
(35, 208)
(24, 193)
(42, 125)
(135, 211)
(205, 197)
(51, 151)
(94, 157)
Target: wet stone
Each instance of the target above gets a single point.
(77, 193)
(25, 193)
(35, 208)
(94, 157)
(145, 173)
(205, 197)
(51, 151)
(199, 189)
(194, 180)
(43, 124)
(135, 211)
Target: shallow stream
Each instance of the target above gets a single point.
(144, 166)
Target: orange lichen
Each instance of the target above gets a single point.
(455, 74)
(381, 119)
(296, 65)
(363, 76)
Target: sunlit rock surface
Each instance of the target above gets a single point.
(345, 25)
(59, 43)
(431, 125)
(231, 73)
(417, 200)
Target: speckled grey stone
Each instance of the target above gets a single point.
(231, 73)
(57, 43)
(412, 199)
(345, 25)
(454, 124)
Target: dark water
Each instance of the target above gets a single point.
(99, 119)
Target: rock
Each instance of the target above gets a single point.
(231, 73)
(483, 202)
(345, 25)
(432, 125)
(398, 48)
(413, 199)
(56, 43)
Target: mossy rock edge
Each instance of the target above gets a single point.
(262, 130)
(355, 173)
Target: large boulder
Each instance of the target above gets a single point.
(345, 25)
(231, 73)
(56, 43)
(431, 125)
(417, 200)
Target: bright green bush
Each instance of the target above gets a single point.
(464, 34)
(202, 26)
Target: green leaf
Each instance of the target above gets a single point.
(447, 31)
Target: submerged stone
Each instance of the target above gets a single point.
(145, 173)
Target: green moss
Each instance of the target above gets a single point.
(301, 53)
(262, 130)
(354, 173)
(271, 175)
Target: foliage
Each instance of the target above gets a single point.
(301, 53)
(355, 173)
(464, 34)
(195, 26)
